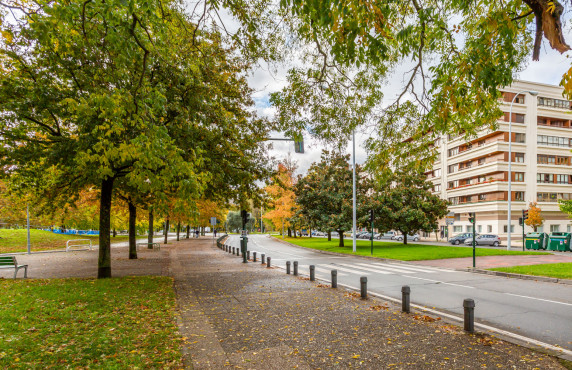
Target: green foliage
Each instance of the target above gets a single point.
(566, 207)
(112, 323)
(407, 204)
(325, 193)
(398, 251)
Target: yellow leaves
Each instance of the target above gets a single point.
(551, 7)
(8, 36)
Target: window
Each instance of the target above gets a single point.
(556, 103)
(482, 197)
(452, 184)
(519, 157)
(489, 228)
(540, 229)
(562, 179)
(519, 118)
(437, 172)
(454, 200)
(519, 195)
(437, 187)
(453, 168)
(544, 178)
(553, 197)
(542, 159)
(554, 228)
(562, 161)
(479, 228)
(457, 229)
(511, 228)
(482, 179)
(554, 141)
(469, 228)
(519, 138)
(481, 161)
(568, 228)
(519, 176)
(481, 142)
(453, 151)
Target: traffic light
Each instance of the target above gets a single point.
(299, 146)
(472, 217)
(245, 216)
(524, 215)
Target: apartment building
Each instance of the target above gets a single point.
(473, 175)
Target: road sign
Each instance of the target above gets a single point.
(450, 218)
(213, 221)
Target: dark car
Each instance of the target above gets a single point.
(459, 239)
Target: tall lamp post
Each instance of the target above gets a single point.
(508, 229)
(354, 190)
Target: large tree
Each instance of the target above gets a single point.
(406, 203)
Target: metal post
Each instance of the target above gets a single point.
(28, 221)
(334, 278)
(268, 262)
(523, 230)
(295, 268)
(354, 189)
(288, 267)
(469, 317)
(262, 258)
(363, 286)
(371, 232)
(247, 255)
(474, 235)
(405, 298)
(253, 256)
(312, 273)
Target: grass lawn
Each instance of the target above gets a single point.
(555, 270)
(16, 240)
(399, 251)
(81, 323)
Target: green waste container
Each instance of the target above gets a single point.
(559, 241)
(536, 241)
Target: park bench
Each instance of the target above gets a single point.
(9, 262)
(78, 244)
(146, 245)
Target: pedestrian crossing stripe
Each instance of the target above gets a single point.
(361, 268)
(318, 269)
(385, 267)
(407, 268)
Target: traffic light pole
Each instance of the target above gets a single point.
(372, 232)
(524, 215)
(473, 220)
(244, 239)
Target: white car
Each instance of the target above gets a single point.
(414, 237)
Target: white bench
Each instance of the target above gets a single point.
(9, 262)
(81, 243)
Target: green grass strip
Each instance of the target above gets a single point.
(399, 251)
(109, 323)
(554, 270)
(16, 240)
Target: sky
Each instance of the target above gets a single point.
(549, 69)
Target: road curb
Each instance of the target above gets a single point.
(518, 276)
(468, 269)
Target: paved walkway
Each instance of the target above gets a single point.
(249, 316)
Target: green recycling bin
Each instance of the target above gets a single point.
(536, 241)
(559, 241)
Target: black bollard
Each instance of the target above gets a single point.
(267, 261)
(334, 278)
(363, 286)
(247, 255)
(405, 301)
(288, 267)
(312, 273)
(262, 258)
(469, 306)
(295, 268)
(253, 256)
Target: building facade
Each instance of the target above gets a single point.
(473, 174)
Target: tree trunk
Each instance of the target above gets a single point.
(132, 231)
(310, 232)
(341, 235)
(114, 232)
(289, 232)
(294, 229)
(329, 235)
(166, 230)
(151, 231)
(188, 231)
(203, 231)
(178, 230)
(405, 238)
(104, 260)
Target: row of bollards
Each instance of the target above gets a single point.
(468, 304)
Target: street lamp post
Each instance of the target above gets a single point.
(354, 189)
(508, 229)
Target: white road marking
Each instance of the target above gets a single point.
(305, 270)
(363, 268)
(384, 268)
(441, 282)
(539, 299)
(420, 268)
(348, 270)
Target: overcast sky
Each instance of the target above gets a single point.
(549, 69)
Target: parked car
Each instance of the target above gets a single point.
(377, 236)
(458, 239)
(366, 236)
(389, 235)
(485, 239)
(414, 237)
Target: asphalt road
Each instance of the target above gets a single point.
(536, 310)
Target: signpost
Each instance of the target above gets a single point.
(473, 220)
(213, 222)
(449, 220)
(371, 219)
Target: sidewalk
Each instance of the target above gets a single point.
(248, 316)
